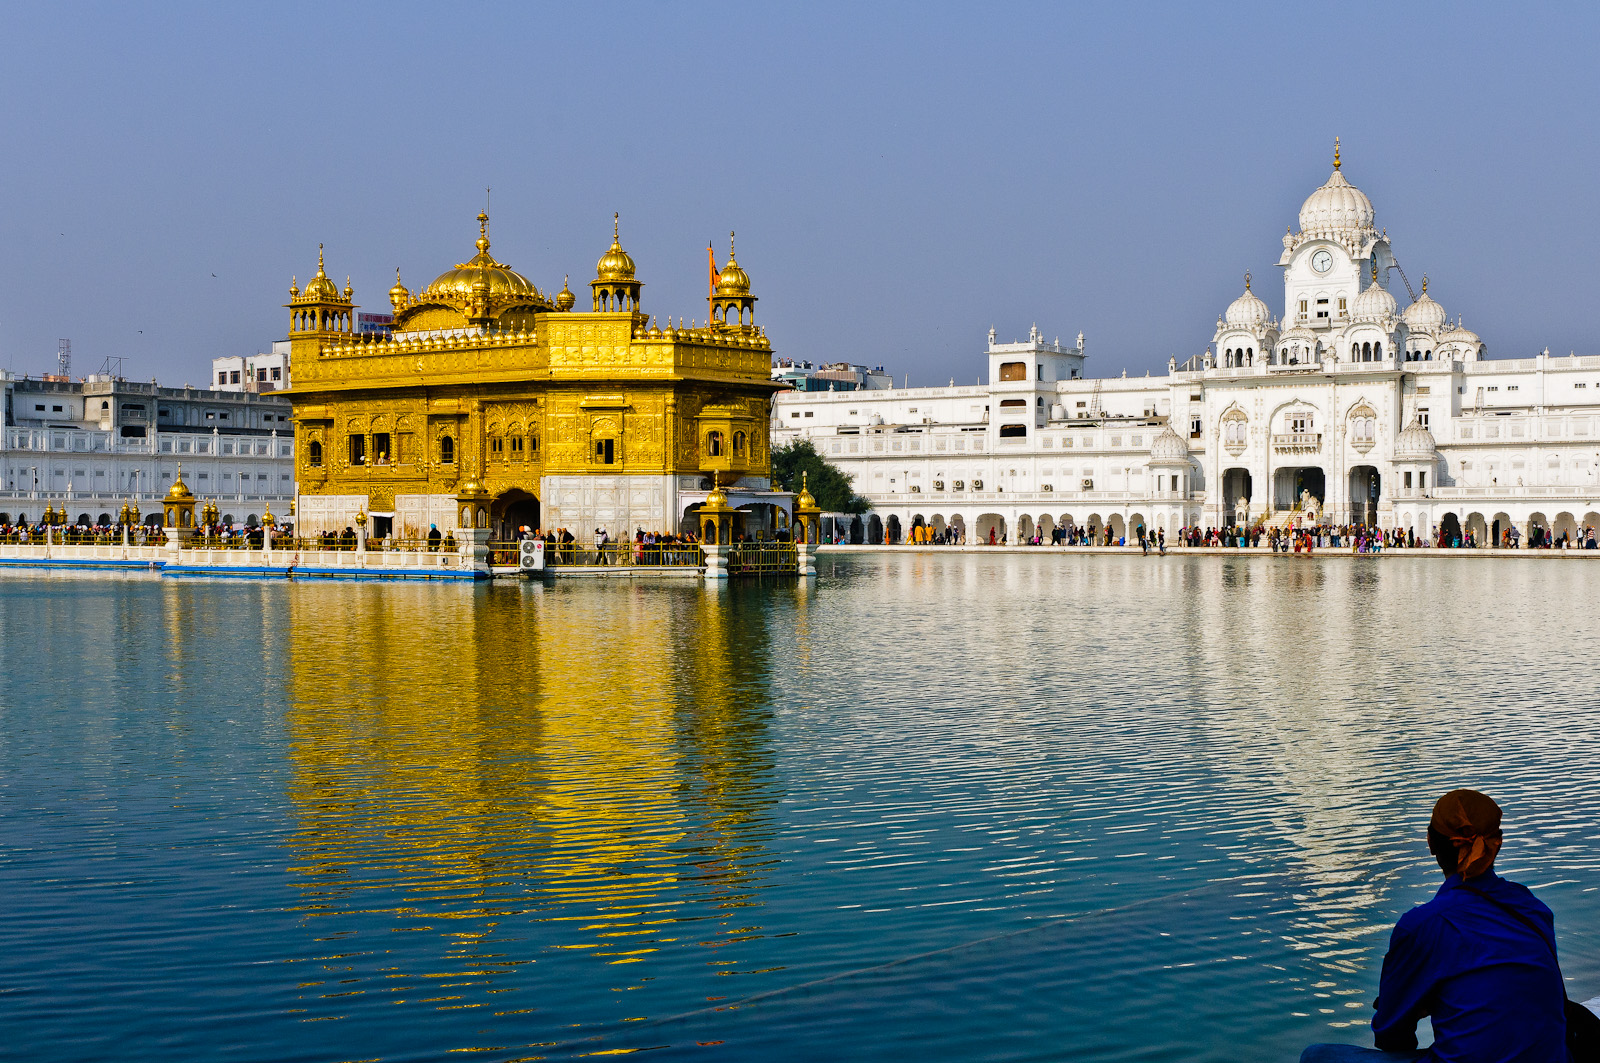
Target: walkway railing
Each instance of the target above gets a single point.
(660, 555)
(759, 559)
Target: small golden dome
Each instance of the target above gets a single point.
(348, 291)
(805, 500)
(616, 264)
(399, 295)
(564, 298)
(732, 280)
(180, 491)
(320, 286)
(294, 287)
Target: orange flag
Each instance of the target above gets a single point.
(711, 279)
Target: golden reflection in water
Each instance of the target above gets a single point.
(591, 759)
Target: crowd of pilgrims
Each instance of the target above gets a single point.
(1358, 538)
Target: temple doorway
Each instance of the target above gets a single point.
(1291, 485)
(513, 510)
(1365, 485)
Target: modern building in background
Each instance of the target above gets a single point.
(254, 372)
(836, 376)
(87, 446)
(1347, 408)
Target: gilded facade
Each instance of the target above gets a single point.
(569, 418)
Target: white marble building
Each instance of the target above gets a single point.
(1348, 408)
(87, 446)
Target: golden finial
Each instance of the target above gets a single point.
(1335, 153)
(730, 245)
(1246, 280)
(1374, 269)
(616, 225)
(320, 271)
(1424, 284)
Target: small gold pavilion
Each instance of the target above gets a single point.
(491, 390)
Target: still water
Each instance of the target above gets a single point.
(980, 808)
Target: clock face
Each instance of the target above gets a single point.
(1322, 261)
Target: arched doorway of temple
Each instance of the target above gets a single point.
(1236, 496)
(1365, 485)
(1451, 525)
(513, 510)
(1292, 485)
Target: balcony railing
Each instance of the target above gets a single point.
(1299, 441)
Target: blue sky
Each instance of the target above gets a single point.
(902, 177)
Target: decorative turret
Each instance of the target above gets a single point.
(399, 295)
(178, 509)
(564, 298)
(615, 289)
(321, 307)
(731, 300)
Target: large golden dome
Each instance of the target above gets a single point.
(616, 264)
(481, 270)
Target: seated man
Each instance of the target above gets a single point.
(1480, 959)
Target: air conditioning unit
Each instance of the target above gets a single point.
(1049, 487)
(916, 489)
(977, 485)
(938, 485)
(960, 484)
(1088, 485)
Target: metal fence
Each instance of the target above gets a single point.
(658, 555)
(762, 559)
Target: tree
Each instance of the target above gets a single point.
(832, 489)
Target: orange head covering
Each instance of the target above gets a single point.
(1471, 822)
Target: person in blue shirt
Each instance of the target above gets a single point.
(1479, 960)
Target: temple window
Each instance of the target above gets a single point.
(358, 449)
(533, 444)
(315, 454)
(447, 451)
(714, 444)
(1013, 371)
(516, 448)
(497, 446)
(738, 443)
(380, 447)
(605, 451)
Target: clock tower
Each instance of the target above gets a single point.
(1325, 262)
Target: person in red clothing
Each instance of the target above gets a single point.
(1479, 960)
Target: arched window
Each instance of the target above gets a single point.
(315, 454)
(1355, 352)
(714, 444)
(1377, 352)
(447, 451)
(738, 443)
(1366, 352)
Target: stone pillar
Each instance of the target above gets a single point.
(473, 546)
(716, 555)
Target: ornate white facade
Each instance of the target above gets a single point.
(1347, 406)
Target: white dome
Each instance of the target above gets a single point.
(1338, 204)
(1415, 443)
(1247, 310)
(1169, 448)
(1374, 304)
(1424, 315)
(1460, 335)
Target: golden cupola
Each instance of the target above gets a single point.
(399, 295)
(321, 307)
(732, 305)
(565, 300)
(615, 289)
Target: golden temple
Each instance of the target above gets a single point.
(493, 392)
